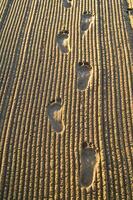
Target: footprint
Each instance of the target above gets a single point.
(62, 40)
(67, 3)
(87, 19)
(54, 112)
(88, 164)
(84, 73)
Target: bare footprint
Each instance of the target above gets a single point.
(62, 40)
(87, 19)
(54, 111)
(84, 73)
(88, 164)
(67, 3)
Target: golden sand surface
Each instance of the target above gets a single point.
(65, 99)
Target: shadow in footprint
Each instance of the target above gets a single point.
(84, 73)
(67, 3)
(54, 112)
(87, 19)
(88, 164)
(63, 42)
(130, 11)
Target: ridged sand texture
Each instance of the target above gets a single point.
(36, 162)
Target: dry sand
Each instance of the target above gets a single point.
(52, 106)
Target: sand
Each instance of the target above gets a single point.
(50, 108)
